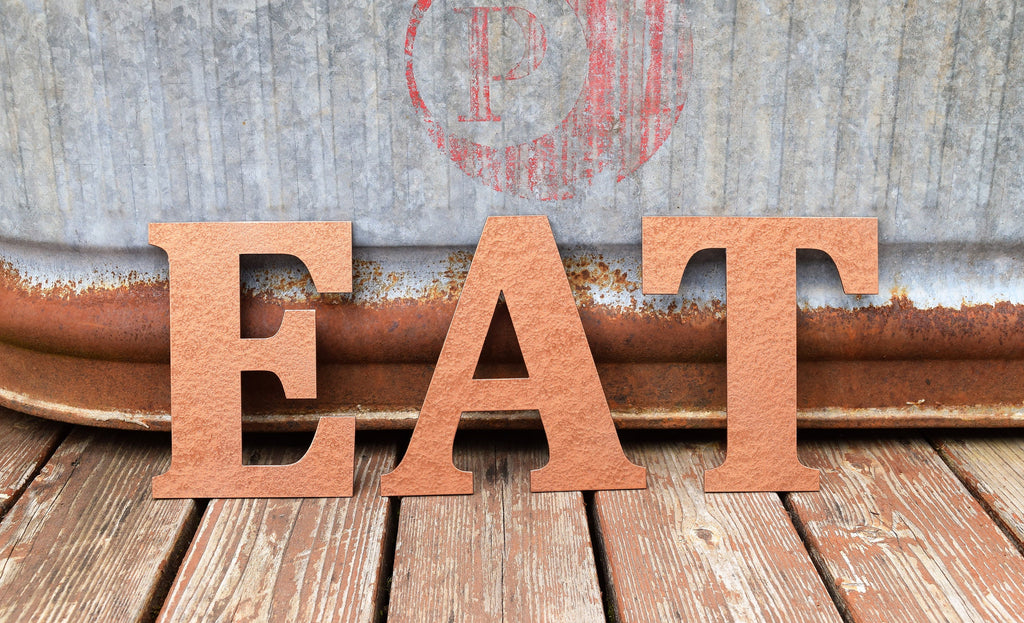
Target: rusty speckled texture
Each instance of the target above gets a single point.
(98, 355)
(761, 340)
(208, 354)
(127, 320)
(517, 257)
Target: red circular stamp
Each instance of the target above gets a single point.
(538, 100)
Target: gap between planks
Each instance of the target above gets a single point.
(290, 559)
(991, 465)
(673, 553)
(26, 445)
(500, 554)
(86, 540)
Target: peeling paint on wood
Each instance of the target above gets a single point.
(900, 539)
(672, 553)
(992, 467)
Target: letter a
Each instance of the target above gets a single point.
(760, 272)
(208, 355)
(517, 256)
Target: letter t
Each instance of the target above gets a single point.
(761, 326)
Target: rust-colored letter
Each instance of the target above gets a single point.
(517, 256)
(208, 356)
(761, 331)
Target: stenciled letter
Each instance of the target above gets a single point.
(480, 61)
(208, 356)
(761, 326)
(517, 256)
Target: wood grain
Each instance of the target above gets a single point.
(25, 444)
(672, 553)
(316, 559)
(900, 539)
(501, 554)
(86, 541)
(992, 467)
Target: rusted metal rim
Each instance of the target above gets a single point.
(400, 310)
(93, 349)
(831, 394)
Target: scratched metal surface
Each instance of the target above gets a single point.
(114, 114)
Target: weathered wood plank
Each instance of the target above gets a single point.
(289, 559)
(86, 541)
(992, 467)
(501, 554)
(900, 539)
(672, 553)
(25, 444)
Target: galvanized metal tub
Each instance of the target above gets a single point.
(117, 114)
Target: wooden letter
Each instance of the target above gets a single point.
(517, 256)
(208, 356)
(761, 331)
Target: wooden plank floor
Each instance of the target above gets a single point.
(673, 553)
(907, 527)
(289, 559)
(502, 554)
(900, 538)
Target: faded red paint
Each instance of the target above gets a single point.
(480, 58)
(622, 116)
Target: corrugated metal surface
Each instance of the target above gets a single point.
(116, 114)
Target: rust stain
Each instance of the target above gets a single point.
(128, 320)
(106, 347)
(834, 394)
(901, 331)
